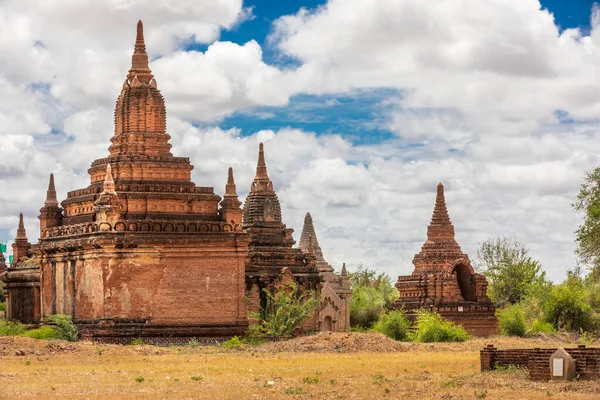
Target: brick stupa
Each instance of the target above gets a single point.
(444, 280)
(142, 251)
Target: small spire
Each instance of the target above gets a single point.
(109, 183)
(21, 233)
(139, 61)
(261, 167)
(51, 193)
(230, 189)
(344, 271)
(308, 219)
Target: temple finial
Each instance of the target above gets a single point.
(230, 189)
(261, 166)
(261, 180)
(440, 226)
(51, 199)
(109, 183)
(139, 61)
(21, 233)
(344, 271)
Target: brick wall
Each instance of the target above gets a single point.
(537, 360)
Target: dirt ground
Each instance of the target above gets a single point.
(323, 366)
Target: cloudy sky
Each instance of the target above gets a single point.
(363, 106)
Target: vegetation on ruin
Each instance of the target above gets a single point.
(373, 294)
(394, 325)
(56, 327)
(431, 327)
(285, 310)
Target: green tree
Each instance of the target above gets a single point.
(511, 273)
(285, 310)
(587, 202)
(372, 295)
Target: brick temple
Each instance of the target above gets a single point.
(143, 251)
(444, 280)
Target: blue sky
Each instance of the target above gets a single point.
(356, 116)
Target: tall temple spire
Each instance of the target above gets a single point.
(344, 270)
(139, 60)
(308, 237)
(109, 183)
(440, 227)
(21, 233)
(261, 180)
(261, 166)
(51, 193)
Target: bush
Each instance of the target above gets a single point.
(512, 321)
(45, 332)
(431, 327)
(366, 305)
(286, 310)
(393, 325)
(539, 326)
(568, 308)
(11, 328)
(64, 325)
(3, 307)
(233, 343)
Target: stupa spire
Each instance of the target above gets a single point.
(139, 60)
(261, 180)
(21, 233)
(440, 226)
(109, 183)
(51, 199)
(230, 189)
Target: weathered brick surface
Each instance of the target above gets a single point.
(444, 280)
(537, 361)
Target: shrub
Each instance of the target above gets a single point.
(568, 308)
(431, 327)
(285, 310)
(512, 321)
(393, 325)
(366, 305)
(233, 343)
(64, 325)
(45, 333)
(539, 326)
(3, 306)
(136, 342)
(11, 328)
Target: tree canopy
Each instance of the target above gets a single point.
(588, 233)
(511, 273)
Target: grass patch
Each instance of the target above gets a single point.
(11, 328)
(233, 343)
(45, 333)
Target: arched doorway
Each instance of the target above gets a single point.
(327, 324)
(465, 282)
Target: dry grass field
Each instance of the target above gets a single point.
(326, 366)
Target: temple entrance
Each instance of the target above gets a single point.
(465, 282)
(327, 324)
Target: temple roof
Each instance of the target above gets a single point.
(441, 250)
(309, 243)
(262, 205)
(21, 232)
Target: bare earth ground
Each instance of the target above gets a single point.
(324, 366)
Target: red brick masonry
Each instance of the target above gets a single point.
(537, 360)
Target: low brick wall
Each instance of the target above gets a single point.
(537, 361)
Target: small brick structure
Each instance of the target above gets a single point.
(536, 360)
(444, 281)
